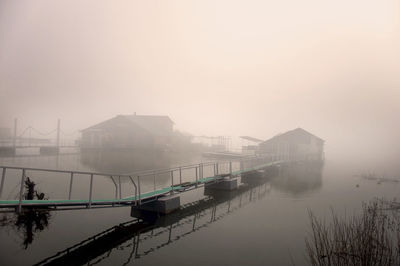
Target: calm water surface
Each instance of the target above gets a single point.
(264, 223)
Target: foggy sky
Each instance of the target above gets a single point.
(215, 67)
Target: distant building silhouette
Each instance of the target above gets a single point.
(297, 144)
(129, 131)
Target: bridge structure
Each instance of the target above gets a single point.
(144, 199)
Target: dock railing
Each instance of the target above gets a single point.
(202, 172)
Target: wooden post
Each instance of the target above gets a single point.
(21, 191)
(3, 176)
(58, 133)
(15, 133)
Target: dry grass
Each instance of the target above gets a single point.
(371, 238)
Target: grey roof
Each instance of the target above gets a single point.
(151, 123)
(251, 139)
(293, 134)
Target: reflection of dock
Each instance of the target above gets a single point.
(40, 149)
(133, 234)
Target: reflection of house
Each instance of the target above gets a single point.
(299, 179)
(129, 131)
(296, 144)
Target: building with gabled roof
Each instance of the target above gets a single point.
(129, 131)
(296, 144)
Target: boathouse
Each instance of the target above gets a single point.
(297, 144)
(129, 132)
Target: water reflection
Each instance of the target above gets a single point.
(138, 238)
(299, 178)
(27, 224)
(127, 161)
(30, 221)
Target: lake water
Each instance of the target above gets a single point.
(263, 223)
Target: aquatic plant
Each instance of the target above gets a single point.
(371, 238)
(30, 192)
(30, 220)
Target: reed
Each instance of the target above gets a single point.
(371, 238)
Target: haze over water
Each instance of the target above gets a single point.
(265, 223)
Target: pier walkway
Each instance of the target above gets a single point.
(220, 171)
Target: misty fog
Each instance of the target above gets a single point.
(215, 67)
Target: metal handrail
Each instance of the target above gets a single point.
(162, 170)
(168, 170)
(72, 173)
(61, 171)
(199, 174)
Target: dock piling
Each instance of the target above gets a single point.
(21, 191)
(91, 191)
